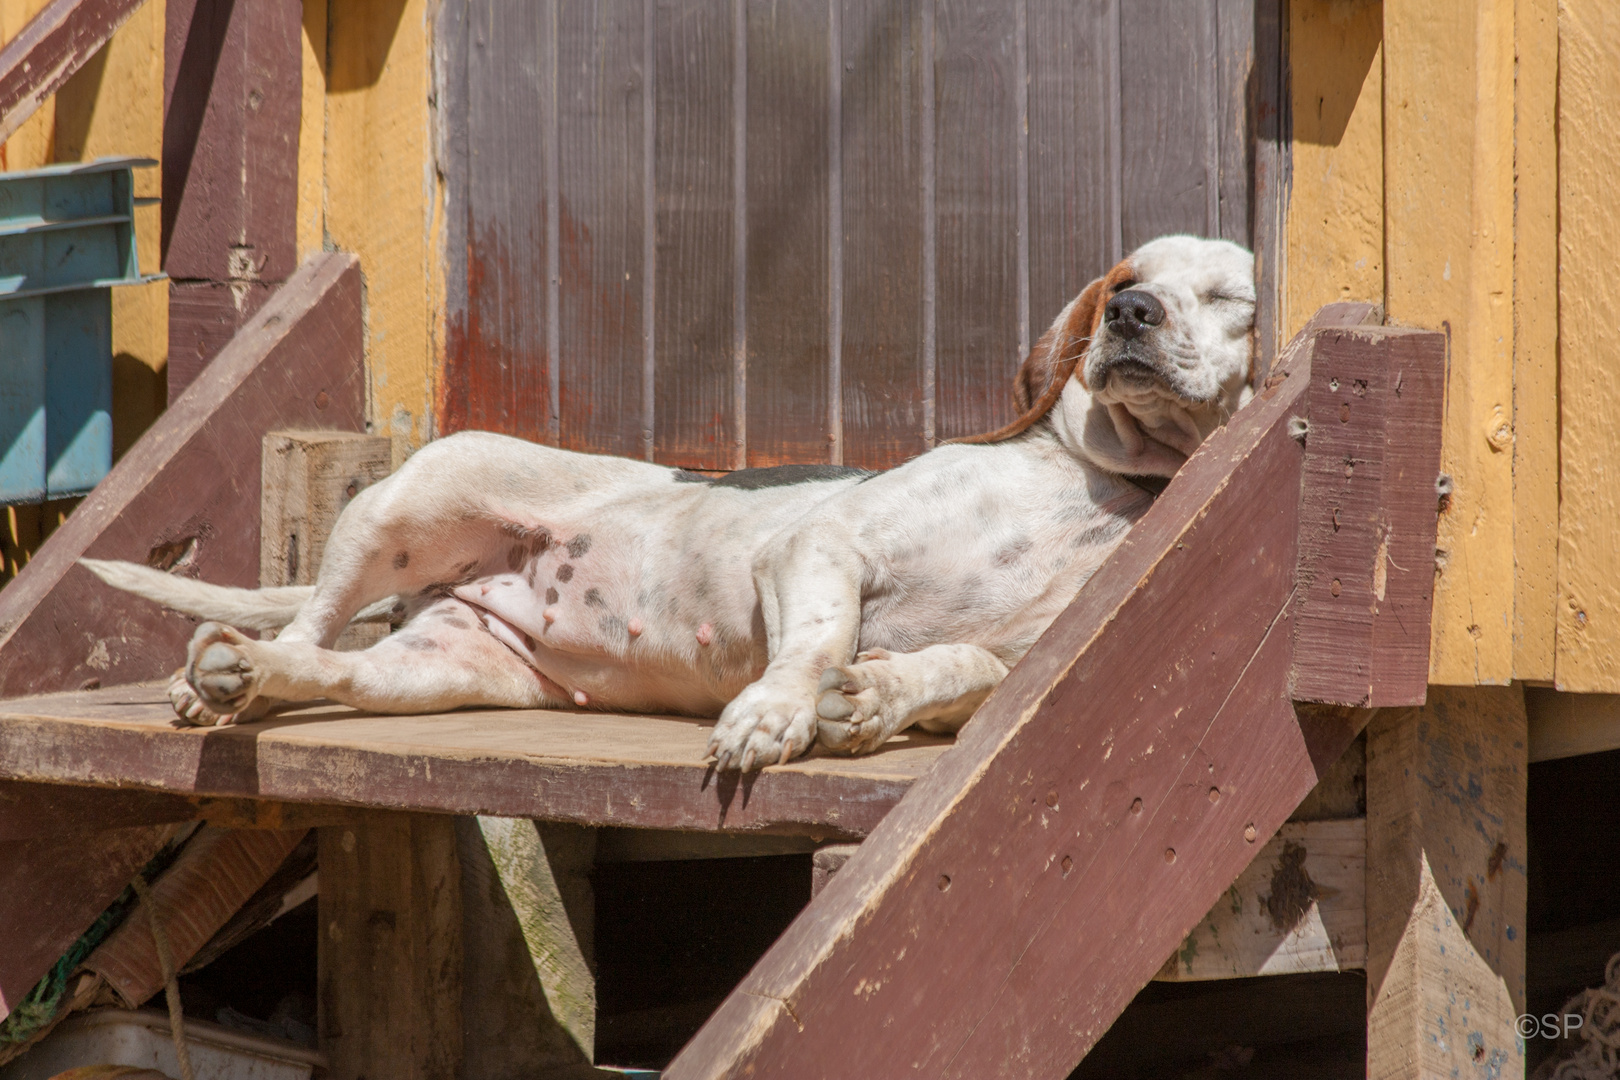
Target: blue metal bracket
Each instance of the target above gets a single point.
(67, 236)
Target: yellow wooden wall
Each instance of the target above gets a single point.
(1454, 161)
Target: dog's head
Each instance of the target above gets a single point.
(1166, 357)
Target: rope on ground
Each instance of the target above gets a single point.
(171, 983)
(1596, 1053)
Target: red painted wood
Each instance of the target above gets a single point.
(44, 55)
(231, 98)
(1366, 569)
(187, 490)
(1003, 914)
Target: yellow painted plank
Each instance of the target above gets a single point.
(1448, 169)
(312, 133)
(1589, 345)
(382, 200)
(1535, 339)
(1335, 220)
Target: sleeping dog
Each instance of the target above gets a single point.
(801, 604)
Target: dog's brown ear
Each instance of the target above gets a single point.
(1068, 335)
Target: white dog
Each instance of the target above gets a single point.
(801, 603)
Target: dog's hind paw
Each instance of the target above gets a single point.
(861, 704)
(219, 672)
(188, 706)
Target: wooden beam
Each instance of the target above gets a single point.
(56, 43)
(231, 116)
(588, 768)
(1091, 814)
(1446, 885)
(390, 948)
(1300, 906)
(1564, 725)
(186, 495)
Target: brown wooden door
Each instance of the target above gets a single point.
(727, 233)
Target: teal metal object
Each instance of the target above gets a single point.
(67, 236)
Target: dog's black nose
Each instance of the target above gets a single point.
(1133, 312)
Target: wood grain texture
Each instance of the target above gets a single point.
(787, 282)
(52, 889)
(1448, 245)
(389, 959)
(187, 492)
(1446, 886)
(44, 55)
(978, 92)
(883, 365)
(1300, 906)
(1565, 725)
(590, 768)
(1535, 340)
(602, 86)
(306, 479)
(695, 417)
(232, 81)
(1588, 303)
(497, 368)
(1368, 517)
(1075, 815)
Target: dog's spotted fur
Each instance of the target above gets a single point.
(799, 605)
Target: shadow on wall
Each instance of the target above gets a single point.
(1333, 46)
(355, 60)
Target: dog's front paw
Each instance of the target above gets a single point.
(764, 725)
(220, 672)
(861, 704)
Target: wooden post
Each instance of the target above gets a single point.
(308, 478)
(390, 948)
(1446, 883)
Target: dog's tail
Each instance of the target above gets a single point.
(247, 609)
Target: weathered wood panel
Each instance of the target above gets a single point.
(1098, 806)
(1448, 240)
(603, 201)
(1588, 334)
(981, 185)
(187, 494)
(57, 42)
(788, 132)
(1446, 885)
(590, 768)
(813, 231)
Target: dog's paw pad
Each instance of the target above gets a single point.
(188, 705)
(219, 671)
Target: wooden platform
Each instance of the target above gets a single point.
(594, 768)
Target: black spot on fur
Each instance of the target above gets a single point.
(467, 569)
(565, 573)
(402, 560)
(515, 556)
(551, 596)
(529, 574)
(455, 623)
(776, 476)
(593, 598)
(420, 644)
(578, 546)
(1014, 551)
(613, 627)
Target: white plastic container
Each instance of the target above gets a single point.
(118, 1037)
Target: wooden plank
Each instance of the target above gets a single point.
(231, 103)
(590, 768)
(1361, 633)
(1565, 725)
(1446, 886)
(1073, 147)
(32, 811)
(1236, 66)
(187, 494)
(883, 355)
(695, 414)
(55, 43)
(497, 366)
(1273, 158)
(1092, 813)
(1335, 236)
(47, 899)
(983, 284)
(788, 252)
(1300, 906)
(1535, 339)
(390, 948)
(1170, 164)
(603, 85)
(1588, 87)
(1448, 244)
